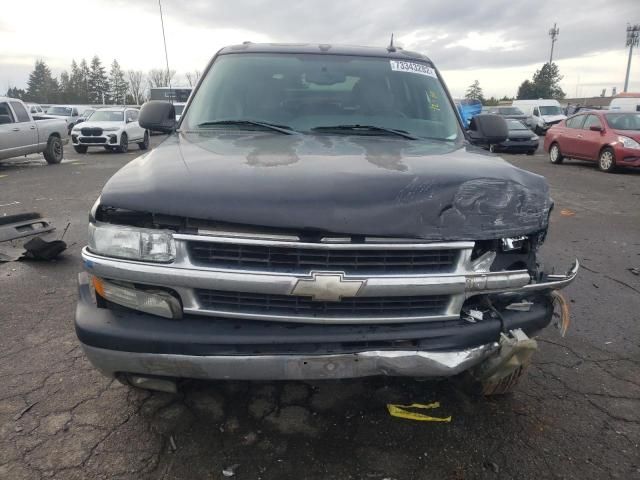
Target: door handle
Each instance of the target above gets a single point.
(15, 129)
(32, 127)
(579, 136)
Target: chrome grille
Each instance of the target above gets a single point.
(288, 305)
(294, 259)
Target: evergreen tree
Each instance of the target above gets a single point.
(475, 92)
(83, 82)
(545, 84)
(98, 83)
(15, 92)
(118, 87)
(67, 93)
(42, 87)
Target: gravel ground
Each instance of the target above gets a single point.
(576, 415)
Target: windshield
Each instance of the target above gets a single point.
(179, 109)
(516, 125)
(306, 92)
(62, 111)
(550, 110)
(87, 113)
(624, 121)
(510, 111)
(107, 116)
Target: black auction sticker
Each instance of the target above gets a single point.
(412, 67)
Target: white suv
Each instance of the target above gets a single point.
(111, 128)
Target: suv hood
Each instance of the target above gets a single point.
(553, 118)
(91, 124)
(358, 185)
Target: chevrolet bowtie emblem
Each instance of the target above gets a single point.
(327, 287)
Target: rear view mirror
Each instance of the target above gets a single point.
(487, 129)
(158, 115)
(595, 128)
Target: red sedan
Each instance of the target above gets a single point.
(609, 138)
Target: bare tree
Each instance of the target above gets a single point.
(136, 88)
(160, 78)
(193, 77)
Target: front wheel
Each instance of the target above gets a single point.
(607, 160)
(54, 151)
(555, 155)
(144, 144)
(124, 143)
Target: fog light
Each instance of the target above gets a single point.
(513, 243)
(112, 138)
(156, 303)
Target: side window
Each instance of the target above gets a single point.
(129, 116)
(74, 112)
(5, 113)
(575, 122)
(134, 115)
(21, 113)
(592, 121)
(536, 112)
(34, 110)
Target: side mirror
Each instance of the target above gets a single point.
(158, 115)
(595, 128)
(488, 130)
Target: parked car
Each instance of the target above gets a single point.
(65, 112)
(609, 138)
(34, 109)
(544, 113)
(629, 102)
(21, 135)
(512, 112)
(111, 128)
(520, 140)
(85, 115)
(321, 214)
(179, 109)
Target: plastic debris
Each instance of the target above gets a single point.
(403, 411)
(634, 270)
(28, 235)
(172, 442)
(231, 470)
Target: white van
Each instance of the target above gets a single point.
(628, 102)
(545, 113)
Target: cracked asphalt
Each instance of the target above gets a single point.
(576, 414)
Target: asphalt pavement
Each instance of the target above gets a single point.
(576, 415)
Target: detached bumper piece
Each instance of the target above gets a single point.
(28, 235)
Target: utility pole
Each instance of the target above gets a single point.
(633, 35)
(553, 33)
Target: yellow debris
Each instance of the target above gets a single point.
(402, 411)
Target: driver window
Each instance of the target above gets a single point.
(536, 112)
(591, 121)
(5, 113)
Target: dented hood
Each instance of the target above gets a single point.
(359, 185)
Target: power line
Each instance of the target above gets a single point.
(166, 55)
(633, 36)
(553, 33)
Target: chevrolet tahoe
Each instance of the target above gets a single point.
(318, 212)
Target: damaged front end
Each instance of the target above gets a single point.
(226, 302)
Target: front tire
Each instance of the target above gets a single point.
(531, 152)
(54, 152)
(124, 144)
(555, 155)
(607, 160)
(145, 142)
(80, 148)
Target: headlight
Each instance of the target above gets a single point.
(111, 129)
(132, 243)
(628, 142)
(534, 137)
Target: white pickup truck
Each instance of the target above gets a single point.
(21, 135)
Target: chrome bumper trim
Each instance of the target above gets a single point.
(405, 363)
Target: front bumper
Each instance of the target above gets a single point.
(627, 157)
(517, 146)
(111, 139)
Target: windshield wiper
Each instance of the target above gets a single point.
(268, 126)
(365, 128)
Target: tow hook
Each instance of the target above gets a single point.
(514, 354)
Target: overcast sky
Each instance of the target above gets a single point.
(498, 42)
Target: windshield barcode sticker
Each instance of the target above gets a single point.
(400, 66)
